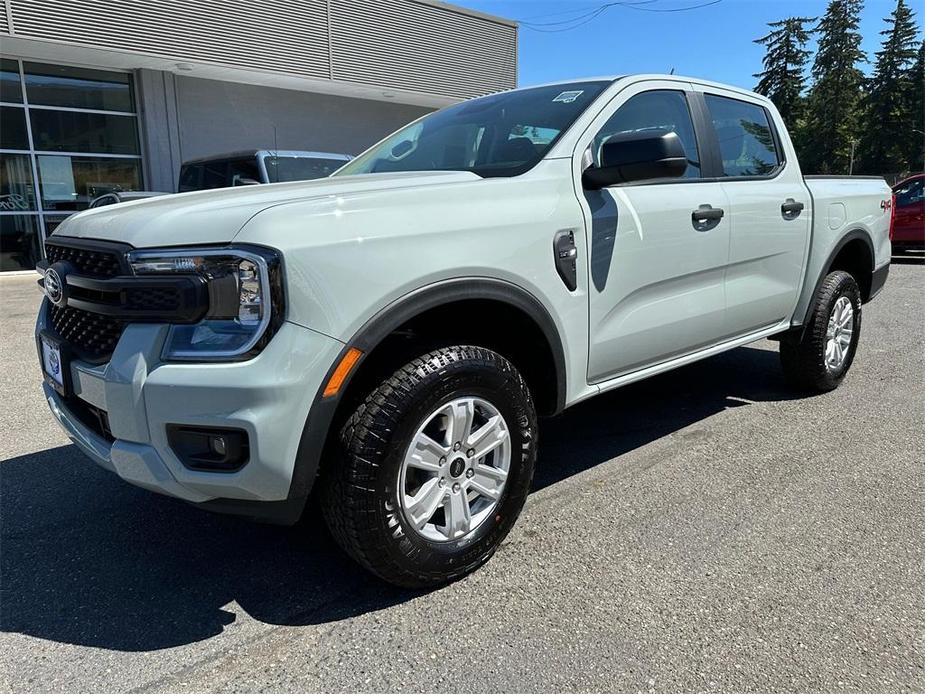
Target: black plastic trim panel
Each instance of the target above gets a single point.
(877, 280)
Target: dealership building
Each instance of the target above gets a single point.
(101, 97)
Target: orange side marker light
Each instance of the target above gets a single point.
(347, 362)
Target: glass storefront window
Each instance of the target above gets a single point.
(80, 131)
(71, 183)
(19, 242)
(78, 87)
(17, 190)
(10, 86)
(52, 222)
(71, 137)
(13, 133)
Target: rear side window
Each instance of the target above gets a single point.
(218, 173)
(203, 176)
(911, 193)
(746, 141)
(655, 110)
(283, 168)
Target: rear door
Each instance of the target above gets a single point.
(770, 212)
(656, 271)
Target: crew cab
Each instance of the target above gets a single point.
(387, 337)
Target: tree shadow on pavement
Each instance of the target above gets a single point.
(87, 559)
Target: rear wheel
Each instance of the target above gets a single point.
(820, 360)
(434, 467)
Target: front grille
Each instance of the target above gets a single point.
(91, 335)
(155, 299)
(103, 296)
(90, 262)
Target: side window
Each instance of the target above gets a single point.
(239, 169)
(656, 110)
(911, 193)
(746, 141)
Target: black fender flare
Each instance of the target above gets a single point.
(842, 242)
(322, 411)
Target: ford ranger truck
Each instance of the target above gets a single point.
(388, 337)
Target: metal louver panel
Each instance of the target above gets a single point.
(409, 45)
(277, 35)
(417, 45)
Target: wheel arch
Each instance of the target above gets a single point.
(853, 253)
(538, 336)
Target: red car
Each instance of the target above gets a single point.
(909, 211)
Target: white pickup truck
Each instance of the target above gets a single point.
(389, 335)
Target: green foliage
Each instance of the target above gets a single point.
(888, 116)
(833, 106)
(882, 117)
(783, 80)
(915, 148)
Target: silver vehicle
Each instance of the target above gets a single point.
(388, 336)
(251, 167)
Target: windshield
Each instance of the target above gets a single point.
(287, 168)
(499, 135)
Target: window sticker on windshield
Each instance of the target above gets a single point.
(568, 97)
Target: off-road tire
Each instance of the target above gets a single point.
(803, 359)
(359, 495)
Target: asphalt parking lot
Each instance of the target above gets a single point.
(702, 531)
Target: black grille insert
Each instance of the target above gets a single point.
(91, 335)
(163, 299)
(87, 261)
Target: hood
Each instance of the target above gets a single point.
(216, 216)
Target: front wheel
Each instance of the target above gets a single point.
(434, 467)
(819, 361)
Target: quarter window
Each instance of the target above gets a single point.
(746, 141)
(656, 110)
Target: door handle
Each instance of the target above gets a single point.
(791, 208)
(706, 217)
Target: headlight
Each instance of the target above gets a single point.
(245, 299)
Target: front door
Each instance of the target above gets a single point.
(658, 249)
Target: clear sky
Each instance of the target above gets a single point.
(713, 42)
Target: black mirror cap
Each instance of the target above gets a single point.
(638, 156)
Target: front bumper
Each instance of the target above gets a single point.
(269, 397)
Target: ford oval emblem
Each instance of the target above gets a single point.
(54, 287)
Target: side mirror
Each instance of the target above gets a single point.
(242, 181)
(638, 156)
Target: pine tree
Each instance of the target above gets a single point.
(835, 98)
(888, 116)
(782, 79)
(915, 155)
